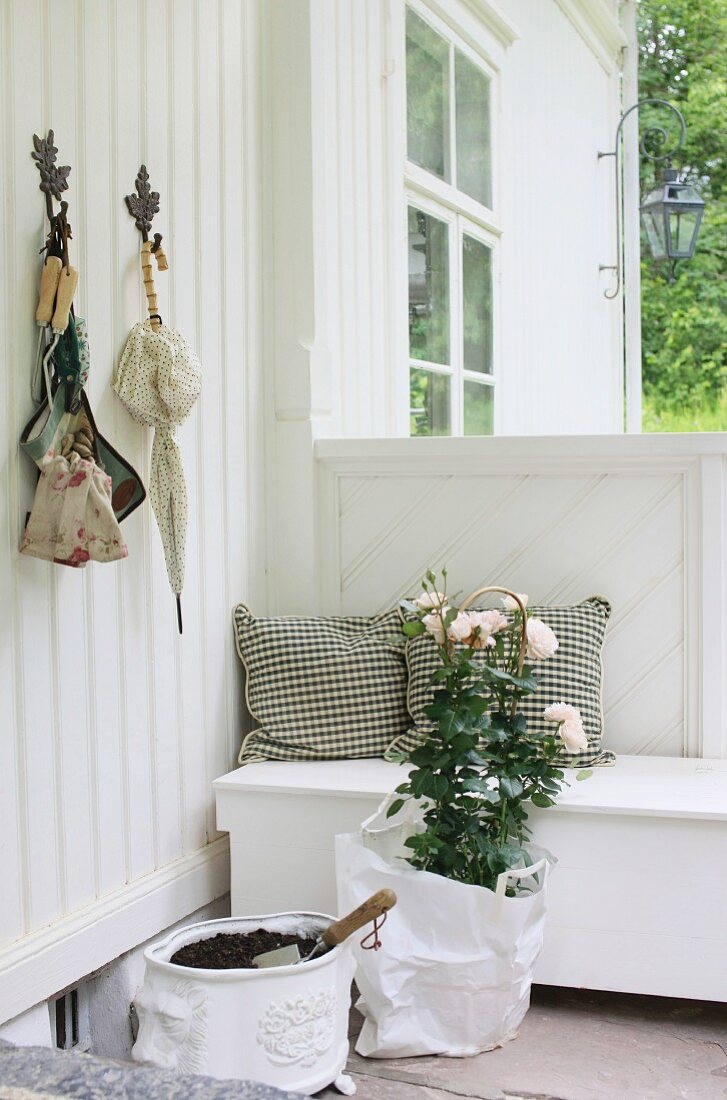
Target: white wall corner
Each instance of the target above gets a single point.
(298, 359)
(598, 25)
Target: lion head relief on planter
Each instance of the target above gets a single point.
(172, 1026)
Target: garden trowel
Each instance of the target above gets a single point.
(370, 910)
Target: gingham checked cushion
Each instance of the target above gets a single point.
(572, 676)
(323, 688)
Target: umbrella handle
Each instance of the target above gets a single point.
(151, 296)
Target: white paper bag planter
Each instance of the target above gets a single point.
(455, 968)
(286, 1026)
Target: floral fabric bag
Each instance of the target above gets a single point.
(72, 520)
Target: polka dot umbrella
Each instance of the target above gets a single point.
(159, 378)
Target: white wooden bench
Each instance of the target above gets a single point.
(638, 901)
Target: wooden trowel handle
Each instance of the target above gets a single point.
(373, 907)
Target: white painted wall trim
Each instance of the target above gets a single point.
(468, 17)
(50, 960)
(445, 454)
(598, 27)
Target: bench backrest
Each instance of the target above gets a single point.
(640, 520)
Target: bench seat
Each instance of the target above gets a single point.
(637, 903)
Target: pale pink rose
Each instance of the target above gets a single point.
(561, 712)
(570, 725)
(461, 628)
(429, 601)
(512, 605)
(433, 624)
(542, 642)
(485, 624)
(573, 736)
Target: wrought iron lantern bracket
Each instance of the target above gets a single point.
(650, 146)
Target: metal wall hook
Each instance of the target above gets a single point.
(143, 206)
(53, 182)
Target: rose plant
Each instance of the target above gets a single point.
(479, 769)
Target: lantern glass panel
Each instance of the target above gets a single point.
(682, 232)
(656, 236)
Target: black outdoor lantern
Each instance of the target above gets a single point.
(672, 211)
(672, 214)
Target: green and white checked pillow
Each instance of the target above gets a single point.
(572, 675)
(323, 688)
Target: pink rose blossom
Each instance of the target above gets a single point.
(542, 642)
(561, 712)
(460, 628)
(77, 478)
(574, 736)
(433, 625)
(512, 605)
(430, 601)
(485, 624)
(570, 725)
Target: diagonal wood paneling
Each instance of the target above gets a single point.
(560, 535)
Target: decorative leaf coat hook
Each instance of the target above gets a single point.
(58, 279)
(53, 178)
(143, 206)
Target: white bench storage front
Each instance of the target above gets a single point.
(638, 900)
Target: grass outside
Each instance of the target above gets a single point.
(704, 419)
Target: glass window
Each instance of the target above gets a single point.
(427, 99)
(477, 305)
(429, 402)
(451, 230)
(428, 287)
(472, 102)
(478, 408)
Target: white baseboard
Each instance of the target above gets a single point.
(42, 964)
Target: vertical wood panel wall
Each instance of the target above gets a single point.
(112, 726)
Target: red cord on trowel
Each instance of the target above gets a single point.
(374, 934)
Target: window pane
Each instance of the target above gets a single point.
(477, 292)
(478, 408)
(428, 288)
(427, 96)
(472, 104)
(429, 403)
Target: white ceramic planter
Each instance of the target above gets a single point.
(285, 1026)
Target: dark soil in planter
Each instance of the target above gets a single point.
(236, 950)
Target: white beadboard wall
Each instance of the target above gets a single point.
(113, 726)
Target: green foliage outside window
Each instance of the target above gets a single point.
(683, 58)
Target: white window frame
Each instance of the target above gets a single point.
(463, 215)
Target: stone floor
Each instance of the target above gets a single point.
(573, 1045)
